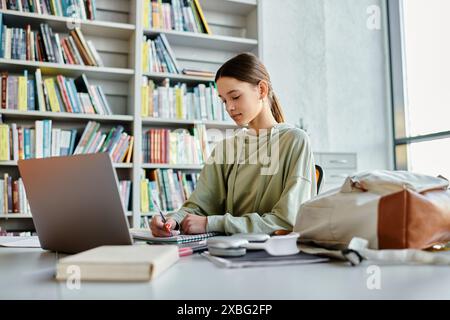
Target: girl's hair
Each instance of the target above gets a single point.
(248, 68)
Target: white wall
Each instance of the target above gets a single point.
(330, 69)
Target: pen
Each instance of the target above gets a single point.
(187, 251)
(166, 225)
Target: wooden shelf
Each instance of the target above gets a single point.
(13, 163)
(70, 70)
(63, 24)
(28, 216)
(66, 116)
(220, 125)
(151, 214)
(15, 216)
(147, 214)
(123, 165)
(178, 77)
(234, 7)
(179, 122)
(172, 166)
(201, 40)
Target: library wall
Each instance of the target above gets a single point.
(333, 74)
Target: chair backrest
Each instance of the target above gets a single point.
(319, 177)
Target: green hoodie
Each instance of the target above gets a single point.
(256, 194)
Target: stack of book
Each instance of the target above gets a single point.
(170, 189)
(83, 9)
(199, 103)
(42, 141)
(46, 46)
(56, 94)
(117, 143)
(157, 56)
(13, 198)
(125, 193)
(198, 73)
(179, 146)
(179, 15)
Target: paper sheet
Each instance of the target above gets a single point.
(20, 242)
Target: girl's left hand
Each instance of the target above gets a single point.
(194, 224)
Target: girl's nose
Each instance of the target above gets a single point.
(231, 107)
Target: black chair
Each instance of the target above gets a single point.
(319, 177)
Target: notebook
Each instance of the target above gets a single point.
(145, 234)
(118, 263)
(261, 258)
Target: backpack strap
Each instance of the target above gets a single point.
(358, 251)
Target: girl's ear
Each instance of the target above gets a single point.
(263, 88)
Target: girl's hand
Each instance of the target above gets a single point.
(194, 224)
(158, 229)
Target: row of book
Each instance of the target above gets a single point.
(117, 143)
(178, 146)
(43, 141)
(198, 103)
(168, 188)
(157, 56)
(44, 45)
(56, 94)
(40, 141)
(83, 9)
(13, 198)
(179, 15)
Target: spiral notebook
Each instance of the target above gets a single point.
(146, 235)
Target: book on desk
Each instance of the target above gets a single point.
(118, 263)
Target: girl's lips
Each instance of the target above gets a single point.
(236, 116)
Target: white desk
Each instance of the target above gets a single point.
(28, 274)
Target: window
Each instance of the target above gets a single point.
(420, 57)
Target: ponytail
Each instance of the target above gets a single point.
(275, 107)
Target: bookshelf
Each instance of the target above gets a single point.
(117, 34)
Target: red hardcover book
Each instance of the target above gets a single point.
(90, 14)
(118, 147)
(158, 145)
(40, 55)
(16, 202)
(28, 44)
(62, 88)
(67, 51)
(162, 134)
(153, 146)
(166, 146)
(4, 89)
(21, 143)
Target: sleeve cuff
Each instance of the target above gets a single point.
(215, 224)
(178, 216)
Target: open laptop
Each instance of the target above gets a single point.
(75, 202)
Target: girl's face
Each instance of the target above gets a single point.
(242, 99)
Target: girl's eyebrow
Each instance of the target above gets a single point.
(234, 90)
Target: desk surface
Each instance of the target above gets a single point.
(29, 274)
